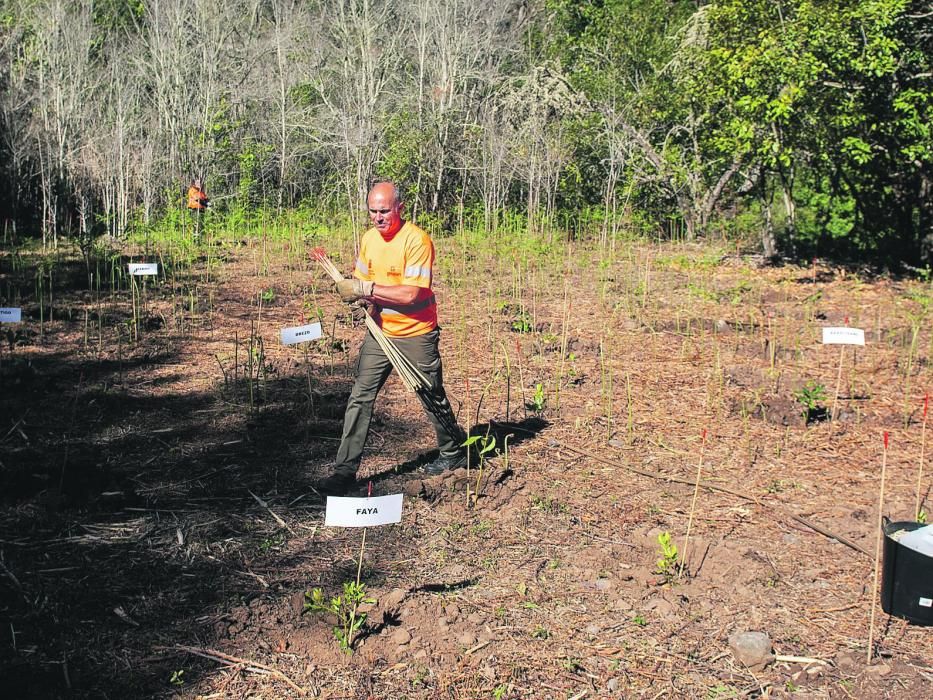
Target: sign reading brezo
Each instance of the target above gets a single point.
(301, 334)
(843, 336)
(11, 315)
(141, 269)
(363, 512)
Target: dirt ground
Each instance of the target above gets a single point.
(159, 523)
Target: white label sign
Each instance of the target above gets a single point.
(140, 269)
(301, 334)
(11, 315)
(843, 336)
(926, 602)
(363, 512)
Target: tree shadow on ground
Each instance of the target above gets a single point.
(128, 521)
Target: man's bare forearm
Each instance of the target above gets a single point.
(399, 294)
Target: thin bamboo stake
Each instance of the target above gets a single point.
(923, 437)
(874, 588)
(842, 352)
(832, 413)
(693, 506)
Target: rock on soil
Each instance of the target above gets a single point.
(752, 649)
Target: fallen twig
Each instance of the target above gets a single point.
(265, 505)
(779, 658)
(246, 664)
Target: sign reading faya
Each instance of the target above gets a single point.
(363, 512)
(301, 334)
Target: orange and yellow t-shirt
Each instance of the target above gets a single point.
(405, 258)
(196, 198)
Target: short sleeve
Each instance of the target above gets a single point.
(419, 261)
(361, 270)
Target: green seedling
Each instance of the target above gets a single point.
(922, 517)
(177, 677)
(667, 563)
(345, 608)
(810, 396)
(522, 324)
(538, 400)
(487, 444)
(640, 620)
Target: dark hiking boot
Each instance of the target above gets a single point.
(338, 483)
(445, 464)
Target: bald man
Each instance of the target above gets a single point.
(393, 278)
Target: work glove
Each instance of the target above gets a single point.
(353, 289)
(359, 309)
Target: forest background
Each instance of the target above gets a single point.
(802, 127)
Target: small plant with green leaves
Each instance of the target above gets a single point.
(538, 399)
(345, 608)
(487, 444)
(922, 517)
(178, 677)
(667, 563)
(522, 323)
(810, 396)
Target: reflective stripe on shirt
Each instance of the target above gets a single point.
(418, 271)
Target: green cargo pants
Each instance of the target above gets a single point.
(372, 370)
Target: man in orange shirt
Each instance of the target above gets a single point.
(393, 276)
(197, 203)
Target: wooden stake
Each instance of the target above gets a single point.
(874, 588)
(693, 505)
(923, 437)
(359, 567)
(842, 354)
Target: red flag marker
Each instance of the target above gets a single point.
(885, 439)
(369, 490)
(704, 435)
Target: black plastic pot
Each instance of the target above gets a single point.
(907, 578)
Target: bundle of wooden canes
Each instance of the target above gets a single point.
(411, 376)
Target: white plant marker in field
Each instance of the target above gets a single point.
(300, 334)
(874, 588)
(11, 315)
(841, 336)
(363, 512)
(143, 269)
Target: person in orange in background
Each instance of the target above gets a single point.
(393, 276)
(197, 203)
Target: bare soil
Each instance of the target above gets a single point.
(159, 523)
